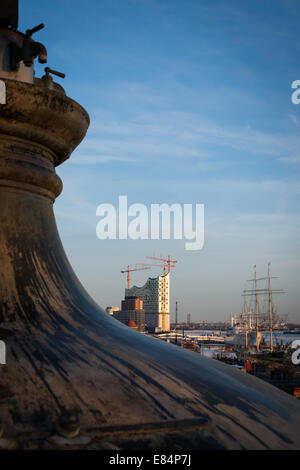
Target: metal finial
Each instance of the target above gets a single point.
(54, 72)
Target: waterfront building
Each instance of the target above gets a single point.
(132, 313)
(155, 294)
(110, 310)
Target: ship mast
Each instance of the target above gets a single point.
(246, 318)
(256, 307)
(264, 291)
(270, 308)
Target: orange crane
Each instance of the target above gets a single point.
(164, 265)
(168, 261)
(128, 271)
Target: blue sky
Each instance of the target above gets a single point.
(190, 102)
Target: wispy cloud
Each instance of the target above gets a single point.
(180, 135)
(290, 159)
(99, 159)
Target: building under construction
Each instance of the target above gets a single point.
(155, 294)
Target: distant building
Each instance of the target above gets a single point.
(111, 310)
(155, 295)
(132, 313)
(132, 325)
(132, 303)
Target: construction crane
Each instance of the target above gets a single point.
(128, 271)
(164, 265)
(168, 261)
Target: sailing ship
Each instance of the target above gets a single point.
(247, 328)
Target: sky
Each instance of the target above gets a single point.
(190, 103)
